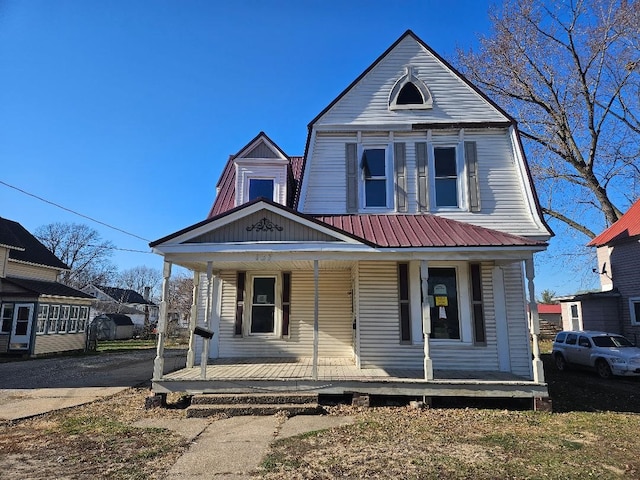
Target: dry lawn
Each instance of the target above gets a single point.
(96, 440)
(403, 443)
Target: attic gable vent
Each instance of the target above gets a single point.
(410, 93)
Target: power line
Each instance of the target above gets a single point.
(74, 212)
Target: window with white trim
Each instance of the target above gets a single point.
(634, 310)
(261, 188)
(263, 310)
(374, 165)
(72, 323)
(6, 318)
(43, 313)
(82, 321)
(52, 323)
(445, 174)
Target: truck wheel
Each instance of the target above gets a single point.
(603, 369)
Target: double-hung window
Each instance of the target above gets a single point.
(263, 305)
(375, 177)
(445, 177)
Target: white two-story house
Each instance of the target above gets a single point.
(392, 257)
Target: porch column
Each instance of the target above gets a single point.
(204, 357)
(534, 322)
(193, 318)
(158, 363)
(316, 277)
(426, 319)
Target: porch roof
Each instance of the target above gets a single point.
(42, 287)
(422, 231)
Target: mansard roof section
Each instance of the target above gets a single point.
(261, 149)
(367, 101)
(257, 221)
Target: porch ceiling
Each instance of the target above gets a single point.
(278, 265)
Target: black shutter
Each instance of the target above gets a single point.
(286, 302)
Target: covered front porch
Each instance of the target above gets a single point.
(339, 376)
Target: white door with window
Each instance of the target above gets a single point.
(21, 327)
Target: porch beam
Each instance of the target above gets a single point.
(316, 283)
(426, 319)
(204, 357)
(534, 322)
(193, 318)
(158, 363)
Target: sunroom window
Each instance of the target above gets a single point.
(374, 173)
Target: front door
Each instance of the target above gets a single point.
(21, 328)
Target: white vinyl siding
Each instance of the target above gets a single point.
(504, 205)
(378, 319)
(58, 343)
(335, 339)
(519, 345)
(368, 103)
(33, 272)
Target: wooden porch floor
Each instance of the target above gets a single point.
(329, 369)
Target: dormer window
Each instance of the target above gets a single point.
(410, 93)
(260, 188)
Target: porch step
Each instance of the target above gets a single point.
(253, 404)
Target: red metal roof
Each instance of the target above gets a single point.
(545, 308)
(421, 231)
(226, 197)
(627, 226)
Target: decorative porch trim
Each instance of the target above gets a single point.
(193, 318)
(158, 363)
(264, 225)
(426, 319)
(534, 322)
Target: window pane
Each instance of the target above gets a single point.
(636, 309)
(260, 188)
(375, 193)
(444, 312)
(262, 319)
(264, 291)
(445, 164)
(446, 192)
(22, 322)
(373, 162)
(7, 318)
(410, 95)
(403, 277)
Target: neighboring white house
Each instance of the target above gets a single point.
(401, 243)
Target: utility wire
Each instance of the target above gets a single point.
(74, 212)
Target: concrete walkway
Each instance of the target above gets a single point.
(24, 403)
(230, 449)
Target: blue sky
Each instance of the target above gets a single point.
(126, 111)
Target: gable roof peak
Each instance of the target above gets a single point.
(627, 226)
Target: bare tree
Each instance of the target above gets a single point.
(180, 296)
(82, 249)
(569, 72)
(137, 278)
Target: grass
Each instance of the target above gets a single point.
(464, 443)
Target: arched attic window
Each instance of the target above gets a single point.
(410, 93)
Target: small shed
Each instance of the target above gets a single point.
(113, 326)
